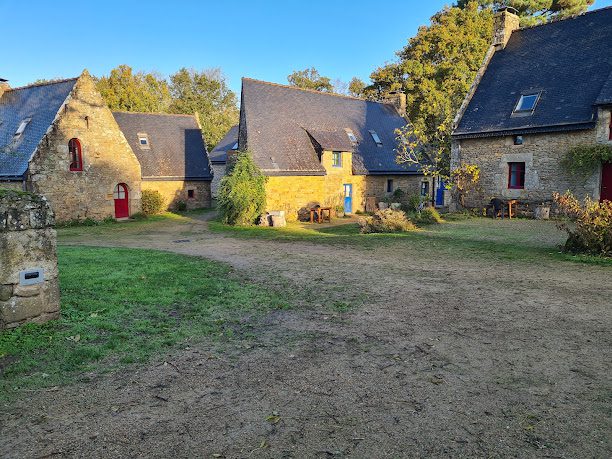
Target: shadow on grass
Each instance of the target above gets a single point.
(520, 240)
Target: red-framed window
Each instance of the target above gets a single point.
(76, 155)
(516, 176)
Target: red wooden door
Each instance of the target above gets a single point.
(122, 208)
(606, 182)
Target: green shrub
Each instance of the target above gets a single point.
(152, 202)
(386, 221)
(242, 192)
(590, 230)
(412, 203)
(181, 206)
(583, 160)
(427, 216)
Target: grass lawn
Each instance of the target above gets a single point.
(125, 305)
(518, 239)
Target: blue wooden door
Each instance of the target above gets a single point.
(348, 198)
(440, 193)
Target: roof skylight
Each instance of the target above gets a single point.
(235, 147)
(375, 137)
(527, 103)
(22, 127)
(351, 136)
(143, 141)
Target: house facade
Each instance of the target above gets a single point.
(541, 91)
(323, 149)
(218, 157)
(172, 155)
(59, 139)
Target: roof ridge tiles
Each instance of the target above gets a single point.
(43, 83)
(153, 113)
(569, 18)
(344, 96)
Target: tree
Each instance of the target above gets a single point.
(536, 11)
(464, 180)
(356, 87)
(134, 92)
(242, 193)
(207, 94)
(437, 67)
(310, 79)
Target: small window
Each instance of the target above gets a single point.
(235, 147)
(376, 138)
(389, 185)
(518, 140)
(191, 194)
(610, 128)
(516, 176)
(351, 136)
(22, 127)
(337, 159)
(424, 188)
(527, 103)
(143, 141)
(76, 155)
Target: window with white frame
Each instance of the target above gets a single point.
(143, 141)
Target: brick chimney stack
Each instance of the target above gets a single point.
(397, 99)
(505, 22)
(3, 86)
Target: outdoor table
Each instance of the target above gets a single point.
(320, 211)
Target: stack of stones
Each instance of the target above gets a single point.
(29, 288)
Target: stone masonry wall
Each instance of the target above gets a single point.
(174, 191)
(218, 174)
(107, 159)
(27, 241)
(542, 155)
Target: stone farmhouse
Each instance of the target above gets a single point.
(541, 91)
(172, 155)
(60, 140)
(218, 157)
(325, 149)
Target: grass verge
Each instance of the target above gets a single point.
(518, 239)
(121, 306)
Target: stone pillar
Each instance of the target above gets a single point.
(29, 288)
(505, 22)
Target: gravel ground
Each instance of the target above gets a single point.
(438, 356)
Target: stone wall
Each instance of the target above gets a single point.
(542, 155)
(107, 159)
(292, 193)
(11, 185)
(218, 174)
(174, 191)
(27, 241)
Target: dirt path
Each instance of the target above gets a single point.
(440, 357)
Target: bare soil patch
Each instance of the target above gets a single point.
(390, 352)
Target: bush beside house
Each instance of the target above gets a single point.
(242, 192)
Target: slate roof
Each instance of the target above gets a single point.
(219, 153)
(176, 147)
(40, 102)
(568, 61)
(280, 122)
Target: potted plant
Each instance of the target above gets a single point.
(339, 211)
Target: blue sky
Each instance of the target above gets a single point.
(258, 39)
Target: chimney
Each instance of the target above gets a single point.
(4, 86)
(505, 22)
(398, 100)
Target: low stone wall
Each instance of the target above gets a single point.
(174, 191)
(29, 288)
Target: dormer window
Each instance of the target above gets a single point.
(336, 159)
(376, 138)
(527, 103)
(22, 127)
(351, 136)
(143, 141)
